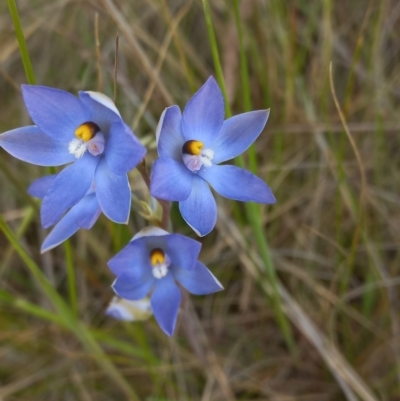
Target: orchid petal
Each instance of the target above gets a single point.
(199, 281)
(204, 114)
(31, 145)
(89, 211)
(165, 302)
(199, 210)
(237, 134)
(39, 187)
(113, 193)
(236, 183)
(183, 251)
(101, 108)
(128, 287)
(133, 259)
(68, 225)
(68, 188)
(56, 112)
(123, 150)
(169, 136)
(170, 180)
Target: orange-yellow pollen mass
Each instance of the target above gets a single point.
(157, 257)
(192, 147)
(86, 131)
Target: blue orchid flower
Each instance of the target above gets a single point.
(89, 133)
(192, 144)
(156, 260)
(82, 215)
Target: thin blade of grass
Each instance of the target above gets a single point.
(26, 60)
(69, 260)
(67, 315)
(244, 74)
(252, 210)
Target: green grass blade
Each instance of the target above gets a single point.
(30, 308)
(73, 298)
(67, 315)
(252, 210)
(244, 73)
(26, 60)
(215, 55)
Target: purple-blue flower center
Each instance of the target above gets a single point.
(87, 137)
(160, 262)
(195, 156)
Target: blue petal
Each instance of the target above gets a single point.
(57, 113)
(89, 211)
(31, 145)
(199, 209)
(169, 134)
(101, 109)
(39, 187)
(133, 259)
(64, 229)
(113, 193)
(237, 134)
(236, 183)
(204, 114)
(170, 180)
(165, 303)
(68, 225)
(129, 287)
(199, 281)
(123, 150)
(183, 251)
(69, 187)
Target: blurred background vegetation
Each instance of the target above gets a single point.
(333, 234)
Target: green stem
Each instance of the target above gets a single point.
(30, 76)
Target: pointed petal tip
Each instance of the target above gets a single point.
(198, 233)
(101, 98)
(167, 332)
(114, 289)
(271, 199)
(113, 284)
(221, 287)
(115, 220)
(45, 249)
(212, 79)
(25, 87)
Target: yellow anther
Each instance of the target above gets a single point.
(192, 147)
(157, 257)
(87, 131)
